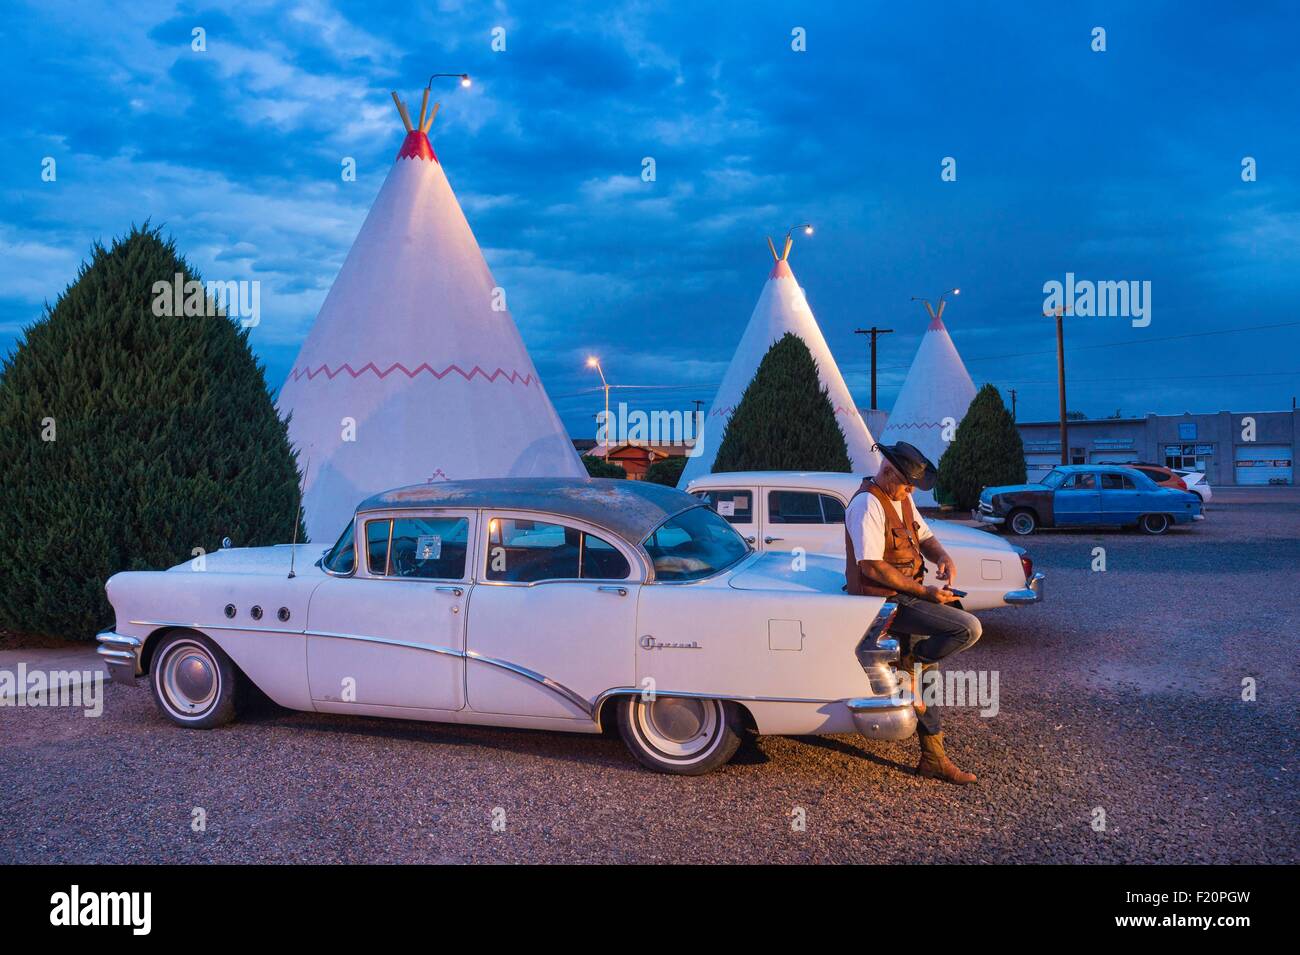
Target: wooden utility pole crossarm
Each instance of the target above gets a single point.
(873, 331)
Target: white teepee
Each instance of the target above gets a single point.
(937, 387)
(414, 370)
(781, 308)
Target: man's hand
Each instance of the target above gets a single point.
(939, 595)
(946, 570)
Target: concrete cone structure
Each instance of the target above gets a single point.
(414, 371)
(781, 308)
(937, 388)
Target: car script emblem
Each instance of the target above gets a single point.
(650, 643)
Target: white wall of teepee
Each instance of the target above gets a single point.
(410, 372)
(782, 307)
(937, 387)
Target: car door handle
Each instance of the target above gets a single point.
(456, 591)
(770, 540)
(621, 591)
(749, 539)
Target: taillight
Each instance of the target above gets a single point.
(1027, 563)
(1180, 484)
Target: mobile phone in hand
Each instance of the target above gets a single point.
(956, 593)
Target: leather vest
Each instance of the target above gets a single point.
(901, 548)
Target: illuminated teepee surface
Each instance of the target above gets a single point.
(937, 388)
(414, 370)
(781, 308)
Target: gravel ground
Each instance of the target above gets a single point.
(1122, 693)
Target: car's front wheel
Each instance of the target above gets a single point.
(1022, 522)
(193, 681)
(1154, 523)
(682, 735)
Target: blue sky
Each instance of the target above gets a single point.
(1119, 165)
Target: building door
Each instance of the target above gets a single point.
(1264, 464)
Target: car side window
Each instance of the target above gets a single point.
(795, 507)
(418, 548)
(342, 557)
(1080, 481)
(832, 509)
(736, 507)
(526, 551)
(1117, 482)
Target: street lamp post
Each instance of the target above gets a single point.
(937, 315)
(594, 362)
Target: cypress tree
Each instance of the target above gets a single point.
(785, 420)
(129, 439)
(985, 452)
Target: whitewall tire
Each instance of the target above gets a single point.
(682, 735)
(1022, 523)
(193, 681)
(1154, 523)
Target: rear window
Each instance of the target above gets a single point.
(693, 545)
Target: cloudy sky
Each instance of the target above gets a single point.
(1117, 165)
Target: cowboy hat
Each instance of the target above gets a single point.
(908, 461)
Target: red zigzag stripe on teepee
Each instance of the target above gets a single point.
(915, 424)
(424, 368)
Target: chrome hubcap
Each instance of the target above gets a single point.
(677, 720)
(679, 728)
(190, 679)
(1022, 523)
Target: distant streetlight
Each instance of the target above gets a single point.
(463, 77)
(594, 362)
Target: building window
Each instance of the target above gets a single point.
(1077, 456)
(1188, 457)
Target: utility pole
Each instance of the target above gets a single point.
(1013, 404)
(1060, 378)
(873, 331)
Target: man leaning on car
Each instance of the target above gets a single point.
(887, 541)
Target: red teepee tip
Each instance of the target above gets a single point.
(416, 146)
(781, 270)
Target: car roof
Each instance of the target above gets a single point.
(630, 509)
(812, 480)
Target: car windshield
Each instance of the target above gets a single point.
(693, 545)
(342, 557)
(1055, 479)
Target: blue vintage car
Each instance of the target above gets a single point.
(1083, 495)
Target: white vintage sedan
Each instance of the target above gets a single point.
(784, 510)
(556, 604)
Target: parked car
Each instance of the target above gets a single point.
(559, 604)
(1197, 484)
(1165, 477)
(1079, 495)
(782, 510)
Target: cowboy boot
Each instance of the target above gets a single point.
(906, 665)
(935, 763)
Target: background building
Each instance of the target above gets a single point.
(1249, 448)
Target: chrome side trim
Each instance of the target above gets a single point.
(731, 697)
(386, 641)
(540, 679)
(1032, 594)
(880, 704)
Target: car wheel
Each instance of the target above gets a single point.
(193, 681)
(677, 734)
(1022, 522)
(1154, 523)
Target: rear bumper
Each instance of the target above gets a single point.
(884, 717)
(121, 653)
(1031, 594)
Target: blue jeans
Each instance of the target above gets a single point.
(930, 632)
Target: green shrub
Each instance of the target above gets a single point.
(785, 420)
(165, 439)
(666, 471)
(599, 467)
(985, 452)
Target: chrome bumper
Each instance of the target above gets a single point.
(121, 653)
(1032, 594)
(985, 517)
(884, 717)
(1198, 517)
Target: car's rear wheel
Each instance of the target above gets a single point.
(1154, 523)
(193, 681)
(682, 735)
(1022, 522)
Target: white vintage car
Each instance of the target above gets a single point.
(782, 510)
(558, 604)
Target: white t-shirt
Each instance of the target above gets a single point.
(864, 519)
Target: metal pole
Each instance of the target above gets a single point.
(873, 331)
(1013, 404)
(1060, 375)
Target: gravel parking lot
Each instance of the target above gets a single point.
(1121, 695)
